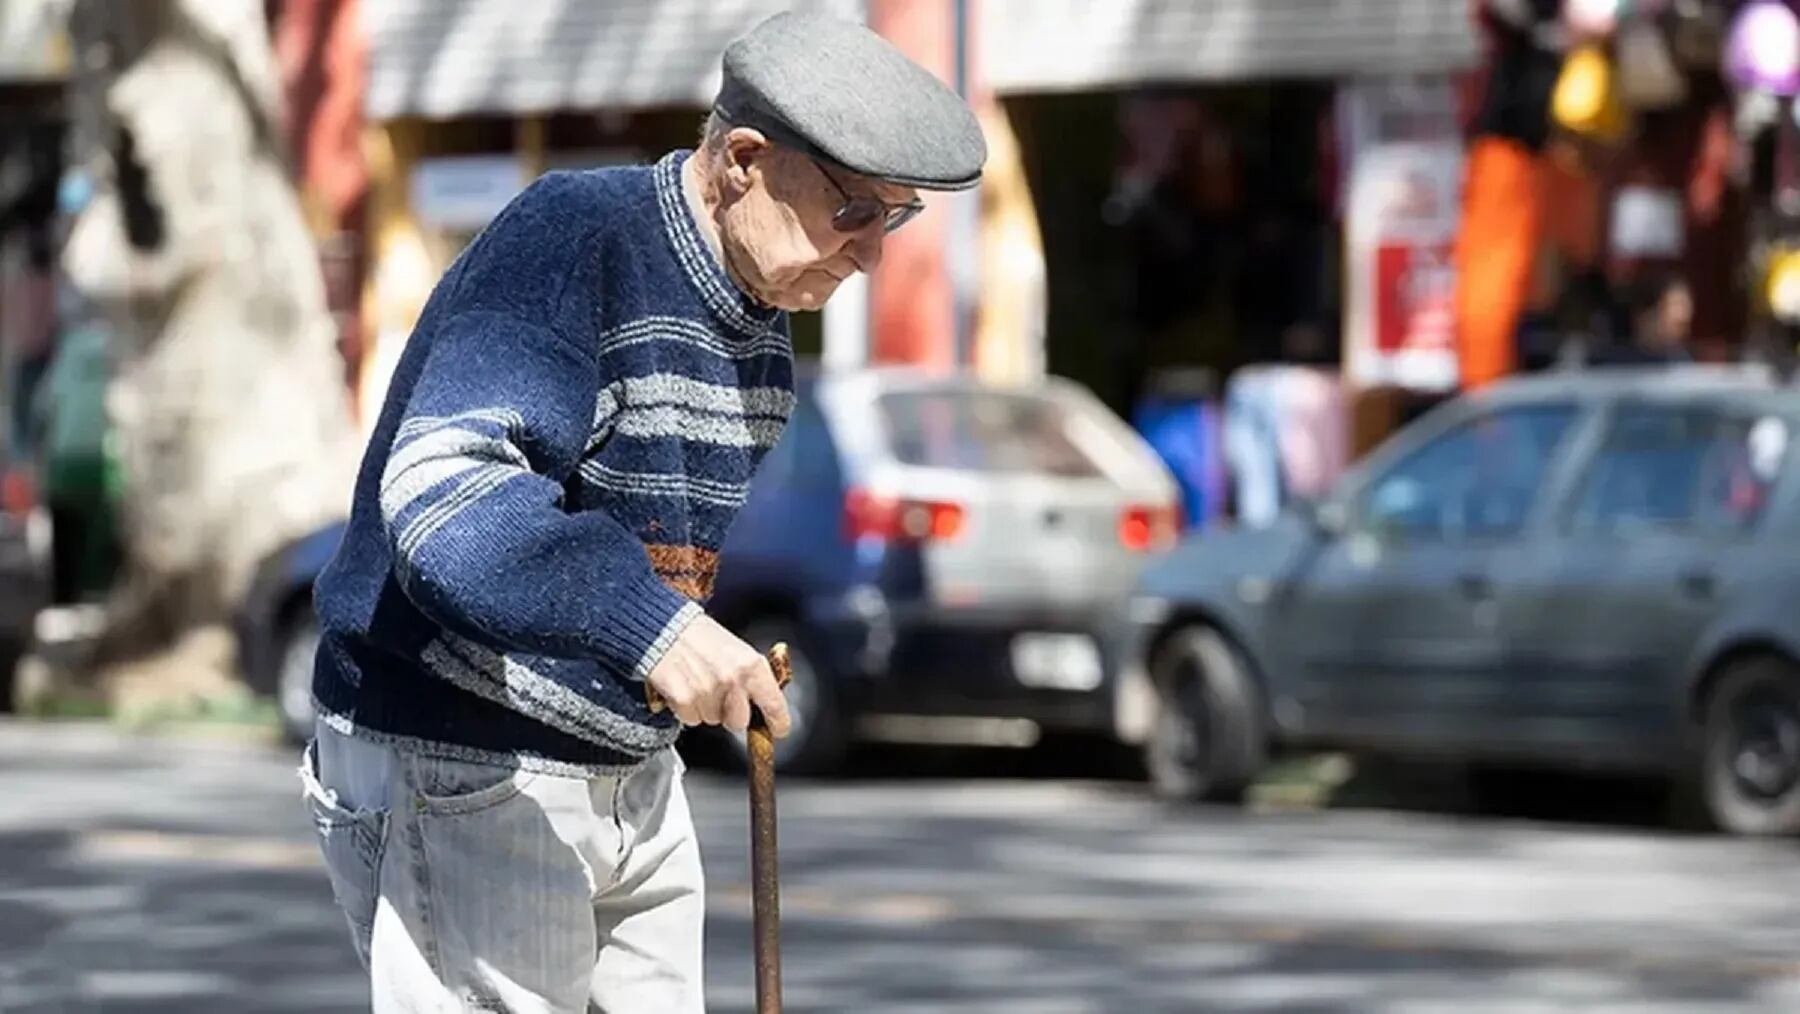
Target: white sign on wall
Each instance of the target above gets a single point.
(463, 193)
(1403, 154)
(1400, 241)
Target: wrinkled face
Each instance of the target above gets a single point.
(779, 222)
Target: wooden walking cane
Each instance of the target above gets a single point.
(765, 877)
(765, 881)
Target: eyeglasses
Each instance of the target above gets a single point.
(858, 213)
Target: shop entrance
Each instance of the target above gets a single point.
(1191, 227)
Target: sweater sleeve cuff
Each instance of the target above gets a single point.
(686, 614)
(641, 625)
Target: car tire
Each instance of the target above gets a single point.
(1749, 779)
(296, 648)
(817, 744)
(1209, 740)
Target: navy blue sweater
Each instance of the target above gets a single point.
(572, 426)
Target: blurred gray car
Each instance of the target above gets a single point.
(1594, 570)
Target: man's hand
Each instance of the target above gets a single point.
(709, 677)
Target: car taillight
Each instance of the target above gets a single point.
(1144, 528)
(895, 519)
(18, 494)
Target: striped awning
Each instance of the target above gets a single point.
(445, 58)
(1066, 45)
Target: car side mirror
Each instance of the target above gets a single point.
(1327, 517)
(1333, 518)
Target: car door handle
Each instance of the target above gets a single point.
(1476, 587)
(1701, 584)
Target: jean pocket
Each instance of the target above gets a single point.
(352, 841)
(449, 788)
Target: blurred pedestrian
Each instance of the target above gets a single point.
(574, 421)
(1662, 320)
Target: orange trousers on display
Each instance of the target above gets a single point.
(1496, 252)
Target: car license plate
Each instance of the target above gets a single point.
(1056, 661)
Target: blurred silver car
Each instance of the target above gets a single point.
(945, 558)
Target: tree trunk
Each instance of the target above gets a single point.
(227, 401)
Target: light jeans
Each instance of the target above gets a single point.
(472, 887)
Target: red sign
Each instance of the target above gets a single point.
(1415, 293)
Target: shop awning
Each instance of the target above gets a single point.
(1066, 45)
(445, 58)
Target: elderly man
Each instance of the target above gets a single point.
(573, 423)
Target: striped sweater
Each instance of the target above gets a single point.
(568, 434)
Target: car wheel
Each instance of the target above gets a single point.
(297, 649)
(1750, 766)
(1208, 741)
(816, 743)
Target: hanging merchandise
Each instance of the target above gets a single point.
(1285, 435)
(1648, 75)
(1646, 223)
(1696, 33)
(1586, 100)
(1496, 249)
(1314, 433)
(1755, 112)
(1185, 434)
(1782, 287)
(1592, 18)
(1520, 15)
(1762, 52)
(1251, 442)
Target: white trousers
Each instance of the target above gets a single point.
(474, 887)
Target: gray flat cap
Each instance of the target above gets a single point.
(839, 92)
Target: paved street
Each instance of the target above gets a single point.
(157, 876)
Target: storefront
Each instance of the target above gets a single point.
(1189, 164)
(1241, 183)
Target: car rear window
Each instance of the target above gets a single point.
(984, 431)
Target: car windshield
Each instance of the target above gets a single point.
(985, 431)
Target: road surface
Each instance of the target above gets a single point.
(176, 875)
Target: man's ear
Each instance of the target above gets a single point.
(743, 147)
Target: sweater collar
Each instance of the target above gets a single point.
(721, 295)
